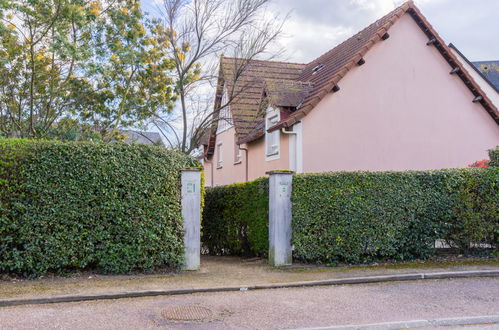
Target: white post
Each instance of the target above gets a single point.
(191, 213)
(280, 185)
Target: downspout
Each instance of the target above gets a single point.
(246, 159)
(283, 130)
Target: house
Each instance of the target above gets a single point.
(392, 97)
(490, 70)
(139, 137)
(485, 74)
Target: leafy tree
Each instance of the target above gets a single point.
(39, 49)
(69, 129)
(101, 62)
(129, 75)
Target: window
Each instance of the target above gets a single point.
(317, 68)
(237, 151)
(220, 155)
(224, 115)
(272, 138)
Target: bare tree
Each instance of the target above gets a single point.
(198, 32)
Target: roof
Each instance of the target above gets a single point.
(490, 70)
(341, 59)
(244, 84)
(150, 138)
(286, 93)
(313, 81)
(334, 64)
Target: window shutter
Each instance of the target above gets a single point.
(220, 155)
(237, 151)
(272, 138)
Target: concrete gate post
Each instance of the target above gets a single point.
(280, 185)
(191, 213)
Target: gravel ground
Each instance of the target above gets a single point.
(215, 272)
(276, 309)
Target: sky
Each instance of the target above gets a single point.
(315, 26)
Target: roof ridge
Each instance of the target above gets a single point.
(391, 13)
(329, 82)
(289, 80)
(267, 61)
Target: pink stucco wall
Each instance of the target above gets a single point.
(229, 172)
(257, 166)
(400, 110)
(207, 173)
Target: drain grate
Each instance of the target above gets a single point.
(187, 313)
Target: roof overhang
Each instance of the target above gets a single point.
(411, 9)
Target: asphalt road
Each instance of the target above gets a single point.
(278, 308)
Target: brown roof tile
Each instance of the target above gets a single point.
(303, 86)
(244, 82)
(286, 93)
(335, 64)
(328, 69)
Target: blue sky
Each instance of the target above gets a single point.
(315, 26)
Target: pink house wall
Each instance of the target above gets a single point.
(207, 173)
(400, 110)
(229, 172)
(257, 166)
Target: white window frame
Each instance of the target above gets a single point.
(225, 121)
(272, 117)
(220, 155)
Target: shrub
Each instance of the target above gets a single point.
(66, 205)
(235, 219)
(494, 157)
(474, 214)
(364, 216)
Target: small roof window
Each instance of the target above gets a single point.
(317, 68)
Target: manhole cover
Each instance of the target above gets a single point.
(187, 313)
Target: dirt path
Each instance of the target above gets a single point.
(215, 272)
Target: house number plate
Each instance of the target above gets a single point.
(191, 187)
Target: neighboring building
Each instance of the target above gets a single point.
(490, 70)
(392, 97)
(485, 74)
(150, 138)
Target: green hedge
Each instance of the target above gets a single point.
(358, 217)
(110, 207)
(235, 219)
(494, 157)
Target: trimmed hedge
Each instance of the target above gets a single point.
(235, 219)
(494, 157)
(110, 207)
(357, 217)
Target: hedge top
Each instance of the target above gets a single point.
(112, 207)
